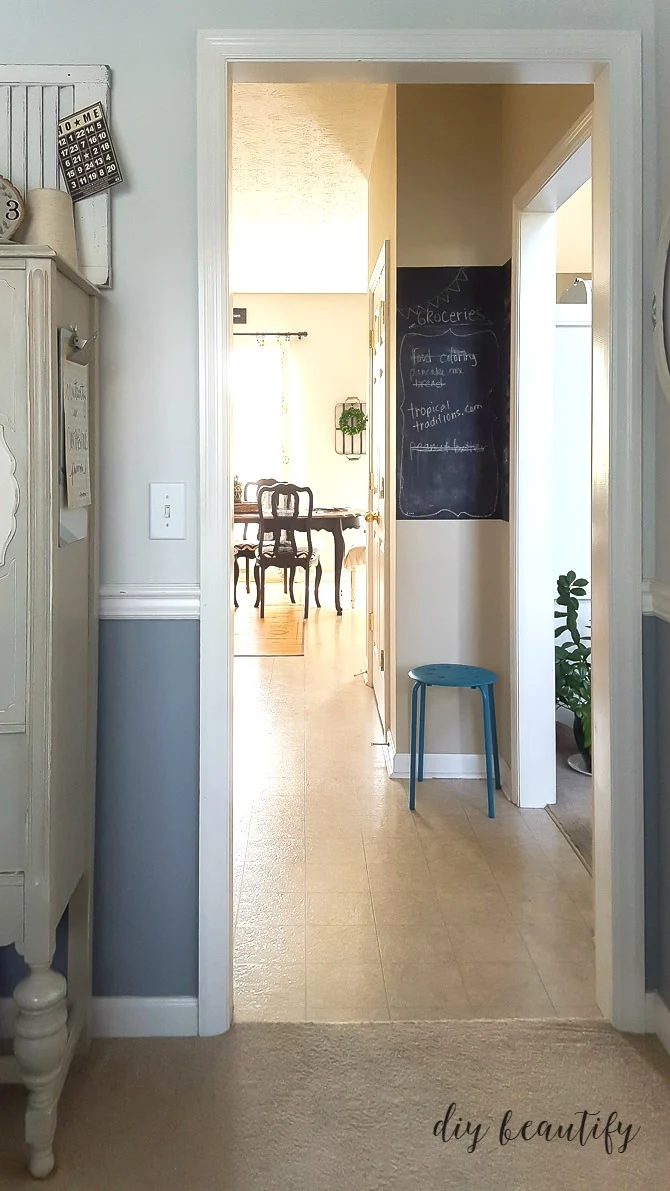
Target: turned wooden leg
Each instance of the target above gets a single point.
(40, 1044)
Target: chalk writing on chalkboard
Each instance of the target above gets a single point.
(453, 393)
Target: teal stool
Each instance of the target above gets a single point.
(454, 676)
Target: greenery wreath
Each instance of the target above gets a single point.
(352, 420)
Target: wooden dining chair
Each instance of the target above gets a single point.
(249, 493)
(283, 511)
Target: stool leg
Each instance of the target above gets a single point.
(412, 749)
(488, 748)
(494, 734)
(422, 728)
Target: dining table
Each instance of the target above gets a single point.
(333, 521)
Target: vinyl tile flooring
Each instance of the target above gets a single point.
(350, 908)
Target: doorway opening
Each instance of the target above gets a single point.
(552, 557)
(617, 914)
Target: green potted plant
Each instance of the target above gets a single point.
(573, 662)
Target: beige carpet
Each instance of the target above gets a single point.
(572, 811)
(353, 1108)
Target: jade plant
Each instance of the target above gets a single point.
(573, 659)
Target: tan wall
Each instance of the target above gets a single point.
(534, 118)
(322, 375)
(382, 182)
(463, 152)
(449, 170)
(451, 575)
(574, 225)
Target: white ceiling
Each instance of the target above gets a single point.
(301, 159)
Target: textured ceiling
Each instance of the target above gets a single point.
(301, 159)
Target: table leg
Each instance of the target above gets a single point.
(338, 538)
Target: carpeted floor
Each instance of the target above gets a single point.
(573, 810)
(354, 1108)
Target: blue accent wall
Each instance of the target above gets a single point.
(146, 880)
(657, 803)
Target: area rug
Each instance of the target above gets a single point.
(281, 632)
(572, 812)
(516, 1106)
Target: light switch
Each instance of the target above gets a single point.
(167, 510)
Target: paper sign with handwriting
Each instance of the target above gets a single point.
(75, 426)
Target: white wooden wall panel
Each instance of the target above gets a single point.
(32, 101)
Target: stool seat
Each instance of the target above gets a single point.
(452, 675)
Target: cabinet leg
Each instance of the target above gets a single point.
(40, 1046)
(79, 975)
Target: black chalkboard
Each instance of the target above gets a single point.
(453, 335)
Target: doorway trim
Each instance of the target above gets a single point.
(532, 579)
(612, 61)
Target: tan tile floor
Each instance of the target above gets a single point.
(348, 907)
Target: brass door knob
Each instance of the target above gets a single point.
(372, 517)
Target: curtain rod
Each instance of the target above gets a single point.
(273, 334)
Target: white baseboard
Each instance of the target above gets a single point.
(144, 1017)
(389, 753)
(658, 1019)
(127, 1017)
(451, 766)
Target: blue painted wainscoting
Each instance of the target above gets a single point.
(146, 883)
(656, 654)
(146, 886)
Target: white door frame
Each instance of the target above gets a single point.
(612, 60)
(532, 579)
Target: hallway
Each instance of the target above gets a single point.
(349, 908)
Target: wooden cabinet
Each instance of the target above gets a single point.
(48, 677)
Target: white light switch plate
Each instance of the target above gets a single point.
(167, 510)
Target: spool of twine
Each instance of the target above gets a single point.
(50, 220)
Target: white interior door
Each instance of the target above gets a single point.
(376, 515)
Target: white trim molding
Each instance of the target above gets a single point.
(656, 599)
(450, 767)
(144, 1017)
(127, 1017)
(611, 60)
(153, 602)
(658, 1019)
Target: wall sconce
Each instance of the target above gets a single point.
(577, 293)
